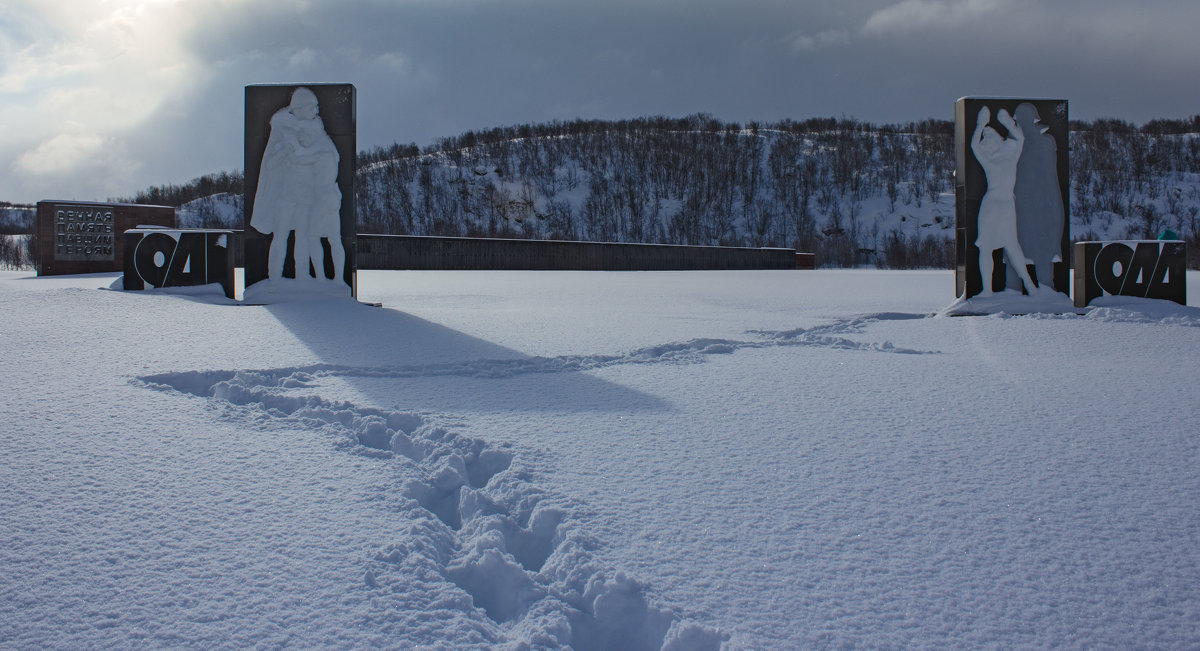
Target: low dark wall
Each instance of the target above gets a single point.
(463, 253)
(445, 253)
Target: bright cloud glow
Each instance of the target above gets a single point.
(90, 73)
(828, 38)
(304, 59)
(396, 60)
(911, 15)
(61, 152)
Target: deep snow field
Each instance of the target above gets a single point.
(688, 460)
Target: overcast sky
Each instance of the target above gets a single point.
(102, 98)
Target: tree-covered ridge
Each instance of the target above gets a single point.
(693, 180)
(853, 192)
(178, 195)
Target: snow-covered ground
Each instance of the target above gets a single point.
(603, 460)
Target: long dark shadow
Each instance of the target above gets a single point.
(399, 360)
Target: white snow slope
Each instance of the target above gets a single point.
(683, 460)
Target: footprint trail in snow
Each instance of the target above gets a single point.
(479, 522)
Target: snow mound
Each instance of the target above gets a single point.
(1125, 309)
(1011, 301)
(1142, 310)
(268, 292)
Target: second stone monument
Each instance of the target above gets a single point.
(1012, 198)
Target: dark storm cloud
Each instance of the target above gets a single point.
(431, 68)
(427, 69)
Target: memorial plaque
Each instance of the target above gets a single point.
(300, 152)
(84, 233)
(84, 237)
(1012, 195)
(1145, 269)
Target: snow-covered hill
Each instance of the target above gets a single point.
(855, 194)
(222, 210)
(16, 218)
(844, 190)
(851, 192)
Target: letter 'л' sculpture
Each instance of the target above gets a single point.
(1011, 206)
(300, 160)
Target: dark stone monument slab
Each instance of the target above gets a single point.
(300, 155)
(1012, 195)
(1146, 269)
(161, 257)
(81, 237)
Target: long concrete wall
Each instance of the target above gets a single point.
(444, 253)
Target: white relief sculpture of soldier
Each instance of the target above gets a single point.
(997, 223)
(1039, 196)
(298, 191)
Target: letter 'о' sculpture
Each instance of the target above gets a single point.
(300, 151)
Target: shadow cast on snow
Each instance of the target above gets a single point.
(397, 359)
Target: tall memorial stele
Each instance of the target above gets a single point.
(1012, 225)
(300, 159)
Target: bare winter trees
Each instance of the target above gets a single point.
(852, 192)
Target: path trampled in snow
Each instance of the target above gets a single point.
(489, 531)
(526, 568)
